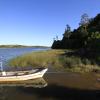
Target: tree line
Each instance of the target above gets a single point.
(87, 35)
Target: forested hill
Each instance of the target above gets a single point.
(21, 46)
(87, 35)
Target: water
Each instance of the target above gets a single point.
(53, 86)
(9, 53)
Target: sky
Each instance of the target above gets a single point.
(37, 22)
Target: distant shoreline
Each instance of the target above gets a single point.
(21, 46)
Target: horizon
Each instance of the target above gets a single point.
(23, 45)
(37, 22)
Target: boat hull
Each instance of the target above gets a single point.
(35, 75)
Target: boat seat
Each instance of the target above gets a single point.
(4, 73)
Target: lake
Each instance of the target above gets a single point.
(53, 86)
(9, 53)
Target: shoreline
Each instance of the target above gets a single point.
(56, 60)
(21, 46)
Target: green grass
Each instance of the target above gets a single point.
(34, 59)
(55, 58)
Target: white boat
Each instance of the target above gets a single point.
(22, 75)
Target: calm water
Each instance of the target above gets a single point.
(8, 53)
(53, 86)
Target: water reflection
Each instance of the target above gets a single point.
(11, 90)
(51, 92)
(57, 92)
(67, 86)
(36, 83)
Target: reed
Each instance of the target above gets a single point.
(55, 58)
(34, 59)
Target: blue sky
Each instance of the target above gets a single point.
(37, 22)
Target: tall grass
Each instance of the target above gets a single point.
(55, 58)
(36, 59)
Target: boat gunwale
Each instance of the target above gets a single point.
(24, 73)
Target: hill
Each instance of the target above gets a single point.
(21, 46)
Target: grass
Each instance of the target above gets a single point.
(58, 59)
(34, 59)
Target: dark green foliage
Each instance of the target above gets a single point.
(56, 44)
(87, 35)
(94, 25)
(67, 32)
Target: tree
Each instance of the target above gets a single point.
(94, 35)
(84, 22)
(67, 32)
(56, 37)
(84, 19)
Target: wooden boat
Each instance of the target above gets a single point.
(22, 75)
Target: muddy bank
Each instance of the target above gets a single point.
(74, 80)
